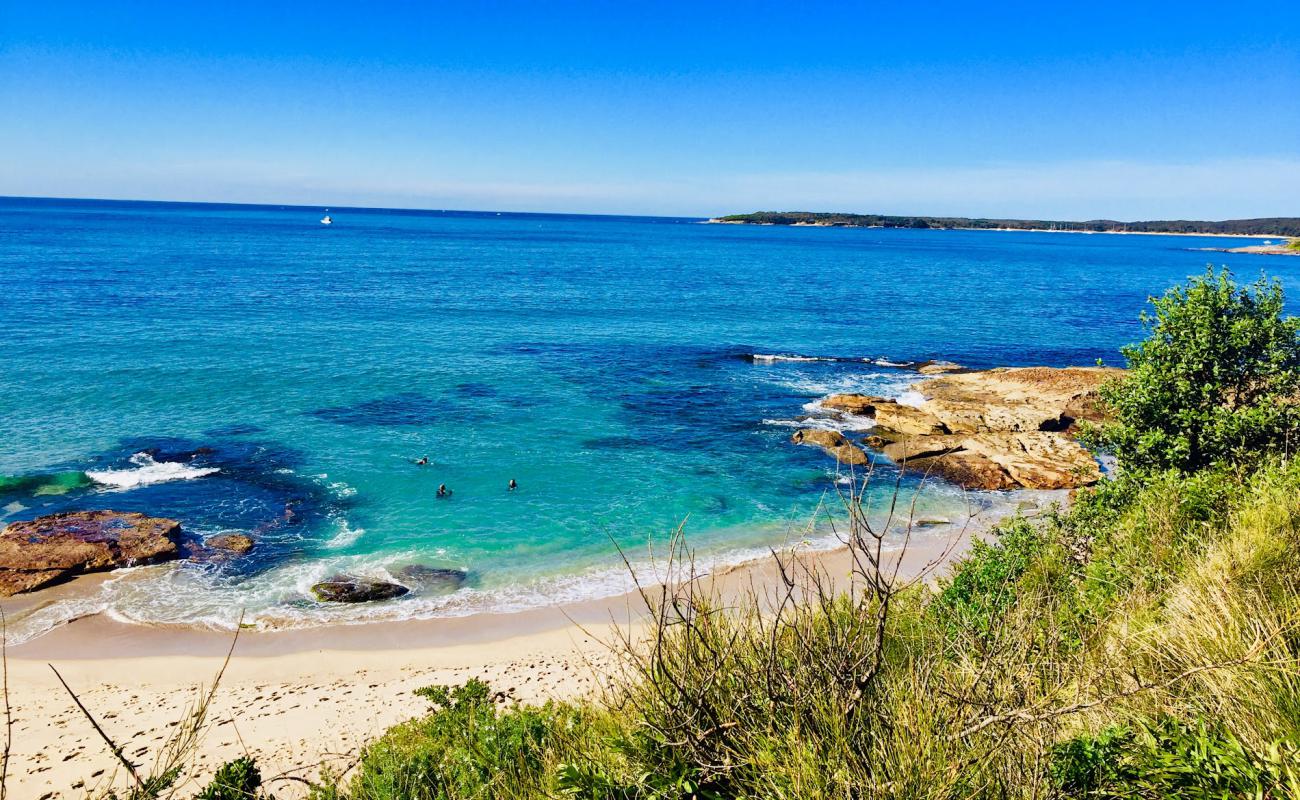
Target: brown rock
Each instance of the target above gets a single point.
(834, 443)
(938, 367)
(236, 543)
(1020, 399)
(907, 420)
(35, 553)
(1005, 460)
(860, 404)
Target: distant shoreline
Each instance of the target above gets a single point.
(1007, 230)
(1259, 227)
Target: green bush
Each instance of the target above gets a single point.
(465, 748)
(1214, 382)
(235, 780)
(985, 584)
(1169, 758)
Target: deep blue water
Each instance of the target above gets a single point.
(602, 362)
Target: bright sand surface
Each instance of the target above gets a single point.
(298, 700)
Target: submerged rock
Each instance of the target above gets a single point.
(434, 579)
(231, 543)
(347, 589)
(35, 553)
(834, 443)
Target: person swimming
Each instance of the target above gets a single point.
(443, 491)
(513, 485)
(423, 462)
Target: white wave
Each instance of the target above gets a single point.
(911, 397)
(884, 362)
(346, 536)
(146, 472)
(769, 358)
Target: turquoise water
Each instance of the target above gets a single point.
(604, 363)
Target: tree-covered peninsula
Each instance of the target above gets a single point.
(1266, 226)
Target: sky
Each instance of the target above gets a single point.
(1132, 110)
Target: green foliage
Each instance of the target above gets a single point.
(1215, 381)
(985, 584)
(1170, 758)
(465, 748)
(235, 780)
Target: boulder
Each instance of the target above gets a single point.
(236, 543)
(907, 420)
(432, 579)
(834, 443)
(1003, 460)
(860, 404)
(347, 589)
(35, 553)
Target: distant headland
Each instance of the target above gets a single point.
(1267, 226)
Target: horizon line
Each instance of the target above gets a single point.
(414, 209)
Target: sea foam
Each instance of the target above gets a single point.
(146, 471)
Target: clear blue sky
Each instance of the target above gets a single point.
(1064, 110)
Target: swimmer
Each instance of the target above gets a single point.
(443, 491)
(513, 485)
(423, 462)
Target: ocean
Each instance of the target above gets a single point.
(247, 369)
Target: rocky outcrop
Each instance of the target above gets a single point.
(1002, 460)
(992, 429)
(348, 589)
(908, 420)
(863, 405)
(35, 553)
(834, 443)
(236, 543)
(889, 414)
(938, 367)
(1020, 399)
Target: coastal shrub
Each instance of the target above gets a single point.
(466, 747)
(1170, 758)
(1215, 381)
(235, 780)
(984, 584)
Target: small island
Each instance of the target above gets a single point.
(1266, 226)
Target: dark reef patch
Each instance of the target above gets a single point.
(473, 390)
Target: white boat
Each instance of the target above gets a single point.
(325, 220)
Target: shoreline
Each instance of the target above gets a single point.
(299, 699)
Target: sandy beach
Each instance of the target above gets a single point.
(300, 700)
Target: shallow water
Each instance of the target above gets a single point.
(602, 362)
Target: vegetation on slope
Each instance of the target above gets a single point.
(1267, 226)
(1143, 643)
